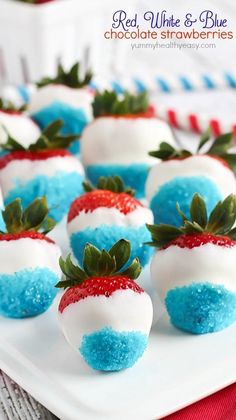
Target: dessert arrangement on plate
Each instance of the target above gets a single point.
(104, 169)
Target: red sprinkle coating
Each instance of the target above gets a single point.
(27, 234)
(97, 286)
(196, 240)
(40, 155)
(90, 201)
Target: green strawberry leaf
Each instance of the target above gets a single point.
(192, 227)
(110, 183)
(222, 218)
(221, 145)
(87, 186)
(73, 273)
(50, 138)
(35, 214)
(204, 138)
(182, 215)
(71, 78)
(220, 222)
(47, 225)
(11, 144)
(121, 250)
(198, 211)
(6, 105)
(106, 264)
(91, 259)
(100, 264)
(166, 151)
(53, 129)
(232, 234)
(111, 103)
(230, 158)
(63, 284)
(163, 234)
(33, 218)
(134, 270)
(12, 216)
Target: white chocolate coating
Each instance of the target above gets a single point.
(78, 98)
(124, 310)
(20, 127)
(21, 171)
(123, 140)
(26, 253)
(200, 165)
(109, 216)
(176, 267)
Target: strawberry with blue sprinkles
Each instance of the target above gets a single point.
(45, 168)
(194, 268)
(103, 313)
(68, 97)
(118, 140)
(181, 174)
(106, 213)
(29, 264)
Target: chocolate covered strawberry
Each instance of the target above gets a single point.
(28, 260)
(66, 97)
(103, 313)
(14, 122)
(193, 270)
(107, 213)
(209, 172)
(45, 168)
(118, 140)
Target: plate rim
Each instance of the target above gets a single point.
(12, 361)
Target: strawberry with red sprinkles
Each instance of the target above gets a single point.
(103, 313)
(45, 168)
(193, 270)
(210, 172)
(117, 142)
(106, 213)
(29, 264)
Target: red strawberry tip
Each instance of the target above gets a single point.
(97, 286)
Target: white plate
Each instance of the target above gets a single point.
(176, 370)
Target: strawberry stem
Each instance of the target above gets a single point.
(33, 218)
(220, 222)
(111, 103)
(114, 184)
(100, 264)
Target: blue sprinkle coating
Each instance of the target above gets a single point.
(181, 190)
(60, 191)
(201, 307)
(27, 292)
(133, 175)
(74, 147)
(110, 350)
(74, 119)
(104, 237)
